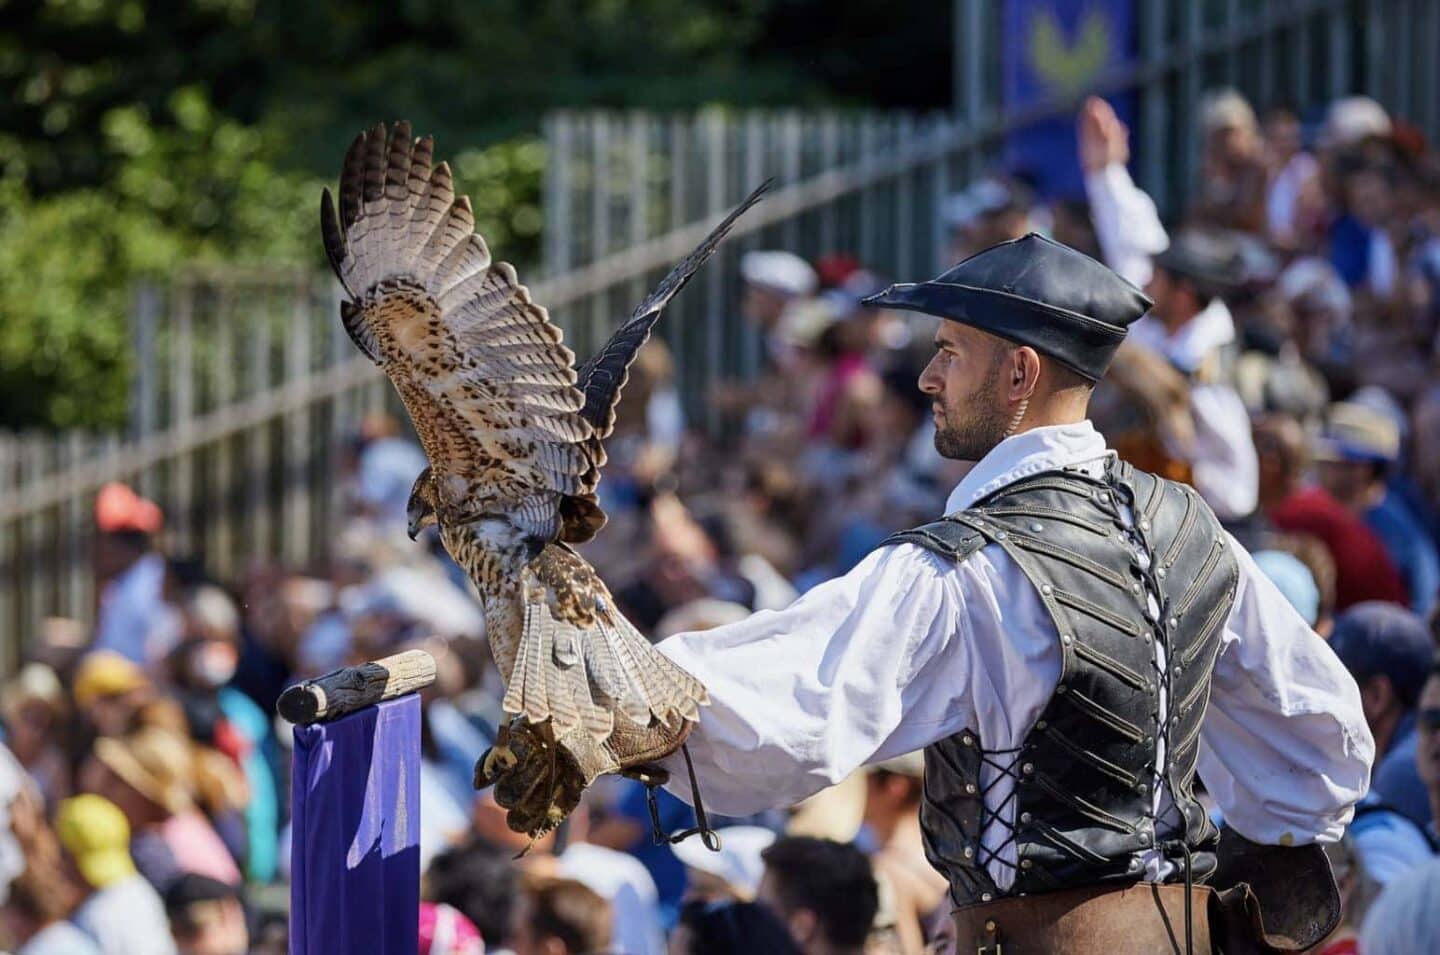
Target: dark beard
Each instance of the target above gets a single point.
(973, 439)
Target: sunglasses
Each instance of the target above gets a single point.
(1428, 719)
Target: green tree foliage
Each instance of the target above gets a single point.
(140, 137)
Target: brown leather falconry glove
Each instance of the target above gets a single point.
(544, 784)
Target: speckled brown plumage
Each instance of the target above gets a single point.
(512, 432)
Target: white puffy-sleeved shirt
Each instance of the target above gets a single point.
(910, 647)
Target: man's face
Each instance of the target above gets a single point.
(1346, 480)
(1427, 753)
(963, 381)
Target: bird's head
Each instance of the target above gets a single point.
(420, 510)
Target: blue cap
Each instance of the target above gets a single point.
(1385, 639)
(1294, 580)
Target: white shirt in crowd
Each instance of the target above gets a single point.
(1223, 462)
(910, 647)
(127, 918)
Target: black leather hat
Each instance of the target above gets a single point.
(1036, 292)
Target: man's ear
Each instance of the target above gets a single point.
(1024, 373)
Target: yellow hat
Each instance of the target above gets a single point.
(106, 673)
(97, 835)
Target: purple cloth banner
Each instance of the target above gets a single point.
(355, 833)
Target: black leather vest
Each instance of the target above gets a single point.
(1083, 805)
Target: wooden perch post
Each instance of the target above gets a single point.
(353, 688)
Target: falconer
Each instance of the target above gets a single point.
(1072, 645)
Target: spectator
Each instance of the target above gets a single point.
(911, 888)
(150, 774)
(206, 917)
(728, 927)
(1293, 579)
(445, 931)
(824, 892)
(1356, 454)
(1388, 651)
(1427, 749)
(124, 913)
(1406, 916)
(560, 917)
(33, 708)
(1232, 175)
(109, 689)
(1191, 327)
(42, 897)
(133, 619)
(774, 282)
(480, 882)
(733, 873)
(1295, 198)
(1363, 570)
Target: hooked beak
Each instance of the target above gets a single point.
(413, 529)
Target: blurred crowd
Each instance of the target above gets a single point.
(1289, 371)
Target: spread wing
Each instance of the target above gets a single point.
(604, 374)
(482, 371)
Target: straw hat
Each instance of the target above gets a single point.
(155, 763)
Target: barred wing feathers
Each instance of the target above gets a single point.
(482, 371)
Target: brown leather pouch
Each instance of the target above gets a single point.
(1272, 898)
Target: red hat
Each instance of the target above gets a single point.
(118, 508)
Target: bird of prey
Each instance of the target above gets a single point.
(514, 436)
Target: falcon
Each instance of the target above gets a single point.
(514, 436)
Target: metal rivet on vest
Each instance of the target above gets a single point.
(986, 896)
(1025, 817)
(1028, 768)
(1160, 573)
(1025, 863)
(1178, 671)
(1145, 635)
(970, 788)
(969, 852)
(1046, 589)
(1037, 528)
(1149, 741)
(1067, 639)
(1061, 688)
(1144, 525)
(1174, 621)
(1143, 788)
(1144, 838)
(1134, 588)
(1134, 865)
(968, 740)
(1041, 724)
(1001, 535)
(991, 927)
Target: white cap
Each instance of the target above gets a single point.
(1316, 282)
(983, 197)
(738, 862)
(1353, 119)
(783, 272)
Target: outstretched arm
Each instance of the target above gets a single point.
(861, 668)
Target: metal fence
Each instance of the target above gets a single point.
(249, 386)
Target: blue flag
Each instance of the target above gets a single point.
(1058, 49)
(355, 833)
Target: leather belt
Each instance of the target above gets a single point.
(1140, 919)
